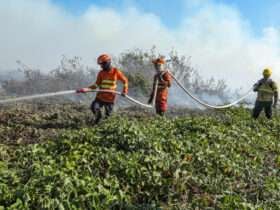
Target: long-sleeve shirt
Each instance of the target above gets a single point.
(164, 82)
(267, 90)
(107, 80)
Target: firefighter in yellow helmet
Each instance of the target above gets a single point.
(267, 95)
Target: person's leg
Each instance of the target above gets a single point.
(109, 109)
(268, 110)
(157, 106)
(257, 109)
(161, 113)
(161, 108)
(96, 109)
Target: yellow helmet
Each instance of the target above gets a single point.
(267, 72)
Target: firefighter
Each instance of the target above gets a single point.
(164, 82)
(106, 80)
(267, 98)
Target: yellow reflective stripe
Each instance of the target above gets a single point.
(267, 90)
(108, 86)
(109, 81)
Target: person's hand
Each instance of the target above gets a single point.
(257, 85)
(124, 94)
(83, 90)
(274, 105)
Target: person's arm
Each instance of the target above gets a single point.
(91, 87)
(97, 82)
(167, 79)
(124, 80)
(257, 85)
(276, 95)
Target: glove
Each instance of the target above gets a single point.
(275, 105)
(124, 92)
(83, 90)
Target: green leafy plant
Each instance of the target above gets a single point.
(221, 160)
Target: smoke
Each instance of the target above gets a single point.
(221, 42)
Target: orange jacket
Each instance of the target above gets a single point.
(164, 82)
(107, 80)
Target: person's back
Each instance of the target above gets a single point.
(266, 89)
(267, 97)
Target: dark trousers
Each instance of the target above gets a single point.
(96, 107)
(159, 111)
(161, 107)
(259, 106)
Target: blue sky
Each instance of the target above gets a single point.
(259, 13)
(212, 32)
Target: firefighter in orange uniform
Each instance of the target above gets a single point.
(164, 82)
(106, 80)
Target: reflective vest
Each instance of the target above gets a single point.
(266, 90)
(107, 80)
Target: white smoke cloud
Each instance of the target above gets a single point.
(221, 42)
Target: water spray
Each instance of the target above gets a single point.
(44, 95)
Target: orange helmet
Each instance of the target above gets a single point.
(103, 58)
(160, 60)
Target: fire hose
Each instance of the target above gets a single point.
(131, 99)
(208, 105)
(13, 100)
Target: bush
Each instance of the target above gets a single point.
(224, 161)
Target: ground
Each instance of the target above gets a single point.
(53, 157)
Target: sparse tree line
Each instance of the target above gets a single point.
(136, 64)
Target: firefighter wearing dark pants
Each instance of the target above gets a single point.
(163, 79)
(97, 106)
(267, 95)
(107, 81)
